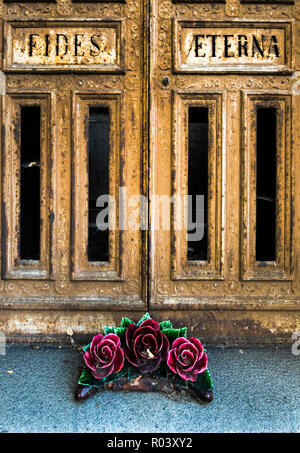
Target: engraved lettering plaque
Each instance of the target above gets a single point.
(71, 45)
(221, 46)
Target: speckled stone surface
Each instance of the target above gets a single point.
(255, 390)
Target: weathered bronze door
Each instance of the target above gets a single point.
(150, 104)
(224, 100)
(73, 91)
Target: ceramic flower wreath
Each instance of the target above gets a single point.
(149, 348)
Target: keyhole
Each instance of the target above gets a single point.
(165, 81)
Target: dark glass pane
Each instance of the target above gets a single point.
(29, 1)
(30, 184)
(98, 146)
(198, 179)
(266, 185)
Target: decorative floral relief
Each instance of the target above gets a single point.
(38, 10)
(64, 7)
(41, 286)
(233, 84)
(166, 10)
(62, 286)
(233, 115)
(131, 82)
(10, 287)
(133, 10)
(98, 83)
(267, 11)
(182, 10)
(232, 8)
(133, 49)
(164, 51)
(203, 11)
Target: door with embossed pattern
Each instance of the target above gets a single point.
(191, 105)
(72, 138)
(223, 92)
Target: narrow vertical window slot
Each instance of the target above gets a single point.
(266, 151)
(198, 182)
(30, 200)
(98, 181)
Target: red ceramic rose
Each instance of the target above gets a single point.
(146, 346)
(105, 355)
(187, 358)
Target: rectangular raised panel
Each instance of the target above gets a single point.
(283, 2)
(30, 1)
(279, 268)
(226, 46)
(84, 267)
(92, 45)
(210, 267)
(198, 1)
(98, 1)
(17, 263)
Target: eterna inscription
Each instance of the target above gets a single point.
(235, 46)
(206, 47)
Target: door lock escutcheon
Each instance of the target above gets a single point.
(166, 81)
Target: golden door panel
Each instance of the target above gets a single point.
(72, 117)
(223, 46)
(187, 105)
(107, 265)
(77, 45)
(183, 98)
(22, 165)
(267, 262)
(232, 82)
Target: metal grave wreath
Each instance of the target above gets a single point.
(145, 356)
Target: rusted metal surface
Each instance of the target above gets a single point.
(145, 383)
(51, 42)
(213, 327)
(239, 46)
(140, 71)
(282, 269)
(255, 301)
(84, 45)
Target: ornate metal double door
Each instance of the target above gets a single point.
(148, 162)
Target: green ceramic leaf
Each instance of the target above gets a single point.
(86, 348)
(109, 329)
(183, 332)
(204, 381)
(146, 316)
(125, 322)
(120, 331)
(86, 377)
(115, 376)
(165, 325)
(172, 334)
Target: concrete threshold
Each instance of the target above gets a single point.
(255, 390)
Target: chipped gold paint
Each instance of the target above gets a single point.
(97, 46)
(215, 46)
(229, 298)
(38, 46)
